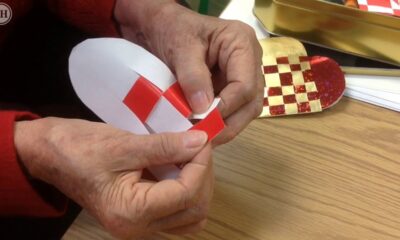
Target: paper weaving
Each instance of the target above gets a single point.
(131, 89)
(391, 7)
(296, 83)
(290, 88)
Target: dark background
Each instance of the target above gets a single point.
(34, 77)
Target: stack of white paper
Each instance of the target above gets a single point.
(379, 90)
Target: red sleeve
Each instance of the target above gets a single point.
(19, 195)
(92, 16)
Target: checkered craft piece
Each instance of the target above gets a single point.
(289, 86)
(131, 89)
(143, 97)
(390, 7)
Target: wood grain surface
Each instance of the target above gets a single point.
(331, 175)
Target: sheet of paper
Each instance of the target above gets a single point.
(131, 89)
(378, 90)
(373, 98)
(377, 83)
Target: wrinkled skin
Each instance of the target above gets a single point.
(208, 55)
(101, 167)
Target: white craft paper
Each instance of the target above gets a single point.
(378, 90)
(383, 99)
(91, 86)
(173, 121)
(103, 71)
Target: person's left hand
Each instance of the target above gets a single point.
(101, 168)
(209, 56)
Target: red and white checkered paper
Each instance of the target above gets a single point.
(390, 7)
(289, 87)
(131, 89)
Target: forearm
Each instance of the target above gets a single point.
(20, 194)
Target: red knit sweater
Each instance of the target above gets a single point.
(19, 195)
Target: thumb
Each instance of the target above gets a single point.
(164, 148)
(194, 77)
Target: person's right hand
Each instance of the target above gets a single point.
(100, 167)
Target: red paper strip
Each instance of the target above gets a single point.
(142, 98)
(213, 124)
(175, 95)
(144, 95)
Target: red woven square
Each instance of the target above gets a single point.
(270, 69)
(282, 60)
(176, 97)
(300, 89)
(286, 79)
(313, 96)
(213, 124)
(142, 97)
(304, 58)
(308, 76)
(289, 99)
(277, 110)
(274, 91)
(381, 3)
(295, 67)
(304, 107)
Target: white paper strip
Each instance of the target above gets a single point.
(104, 70)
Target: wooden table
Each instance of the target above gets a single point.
(331, 175)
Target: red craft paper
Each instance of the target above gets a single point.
(142, 97)
(329, 79)
(213, 124)
(175, 95)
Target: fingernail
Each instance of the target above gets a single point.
(199, 102)
(194, 139)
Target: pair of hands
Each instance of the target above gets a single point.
(101, 167)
